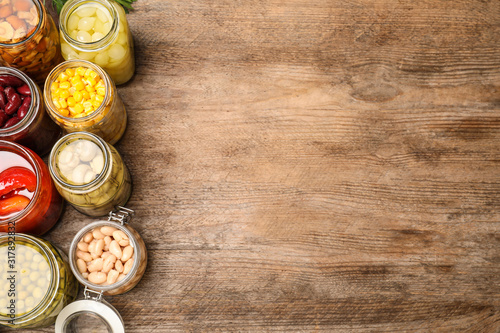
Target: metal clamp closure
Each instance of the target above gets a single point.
(121, 215)
(87, 294)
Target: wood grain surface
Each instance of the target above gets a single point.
(313, 165)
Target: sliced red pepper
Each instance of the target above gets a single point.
(13, 204)
(17, 177)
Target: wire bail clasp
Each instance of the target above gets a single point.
(87, 294)
(121, 215)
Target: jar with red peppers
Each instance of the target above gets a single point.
(29, 39)
(22, 113)
(29, 200)
(108, 258)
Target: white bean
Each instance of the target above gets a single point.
(82, 266)
(88, 237)
(83, 246)
(115, 249)
(97, 277)
(119, 266)
(118, 235)
(112, 276)
(97, 234)
(96, 265)
(128, 252)
(128, 266)
(108, 230)
(84, 255)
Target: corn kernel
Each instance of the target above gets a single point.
(70, 72)
(64, 112)
(78, 108)
(94, 75)
(71, 91)
(99, 98)
(65, 85)
(100, 84)
(79, 85)
(85, 94)
(75, 79)
(64, 94)
(87, 104)
(80, 71)
(78, 96)
(63, 77)
(96, 104)
(71, 101)
(89, 89)
(62, 103)
(54, 86)
(101, 91)
(56, 103)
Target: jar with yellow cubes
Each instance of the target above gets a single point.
(80, 96)
(98, 31)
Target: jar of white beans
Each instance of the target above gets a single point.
(38, 282)
(98, 31)
(108, 258)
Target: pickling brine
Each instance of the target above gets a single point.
(98, 31)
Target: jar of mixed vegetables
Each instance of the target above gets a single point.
(37, 282)
(22, 113)
(89, 173)
(80, 96)
(28, 198)
(98, 31)
(29, 39)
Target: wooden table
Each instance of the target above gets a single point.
(313, 166)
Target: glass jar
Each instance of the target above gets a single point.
(115, 228)
(40, 283)
(109, 120)
(98, 31)
(35, 130)
(29, 39)
(89, 173)
(45, 204)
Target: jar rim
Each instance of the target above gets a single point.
(79, 236)
(41, 13)
(70, 7)
(109, 86)
(94, 183)
(35, 100)
(29, 156)
(54, 276)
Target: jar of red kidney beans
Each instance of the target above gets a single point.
(29, 201)
(22, 114)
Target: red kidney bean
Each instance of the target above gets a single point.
(23, 109)
(10, 80)
(3, 118)
(11, 122)
(14, 104)
(9, 91)
(24, 90)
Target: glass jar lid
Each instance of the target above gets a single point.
(92, 313)
(22, 18)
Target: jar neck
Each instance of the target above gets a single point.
(70, 7)
(36, 103)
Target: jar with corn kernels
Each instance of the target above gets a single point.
(29, 39)
(80, 96)
(98, 31)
